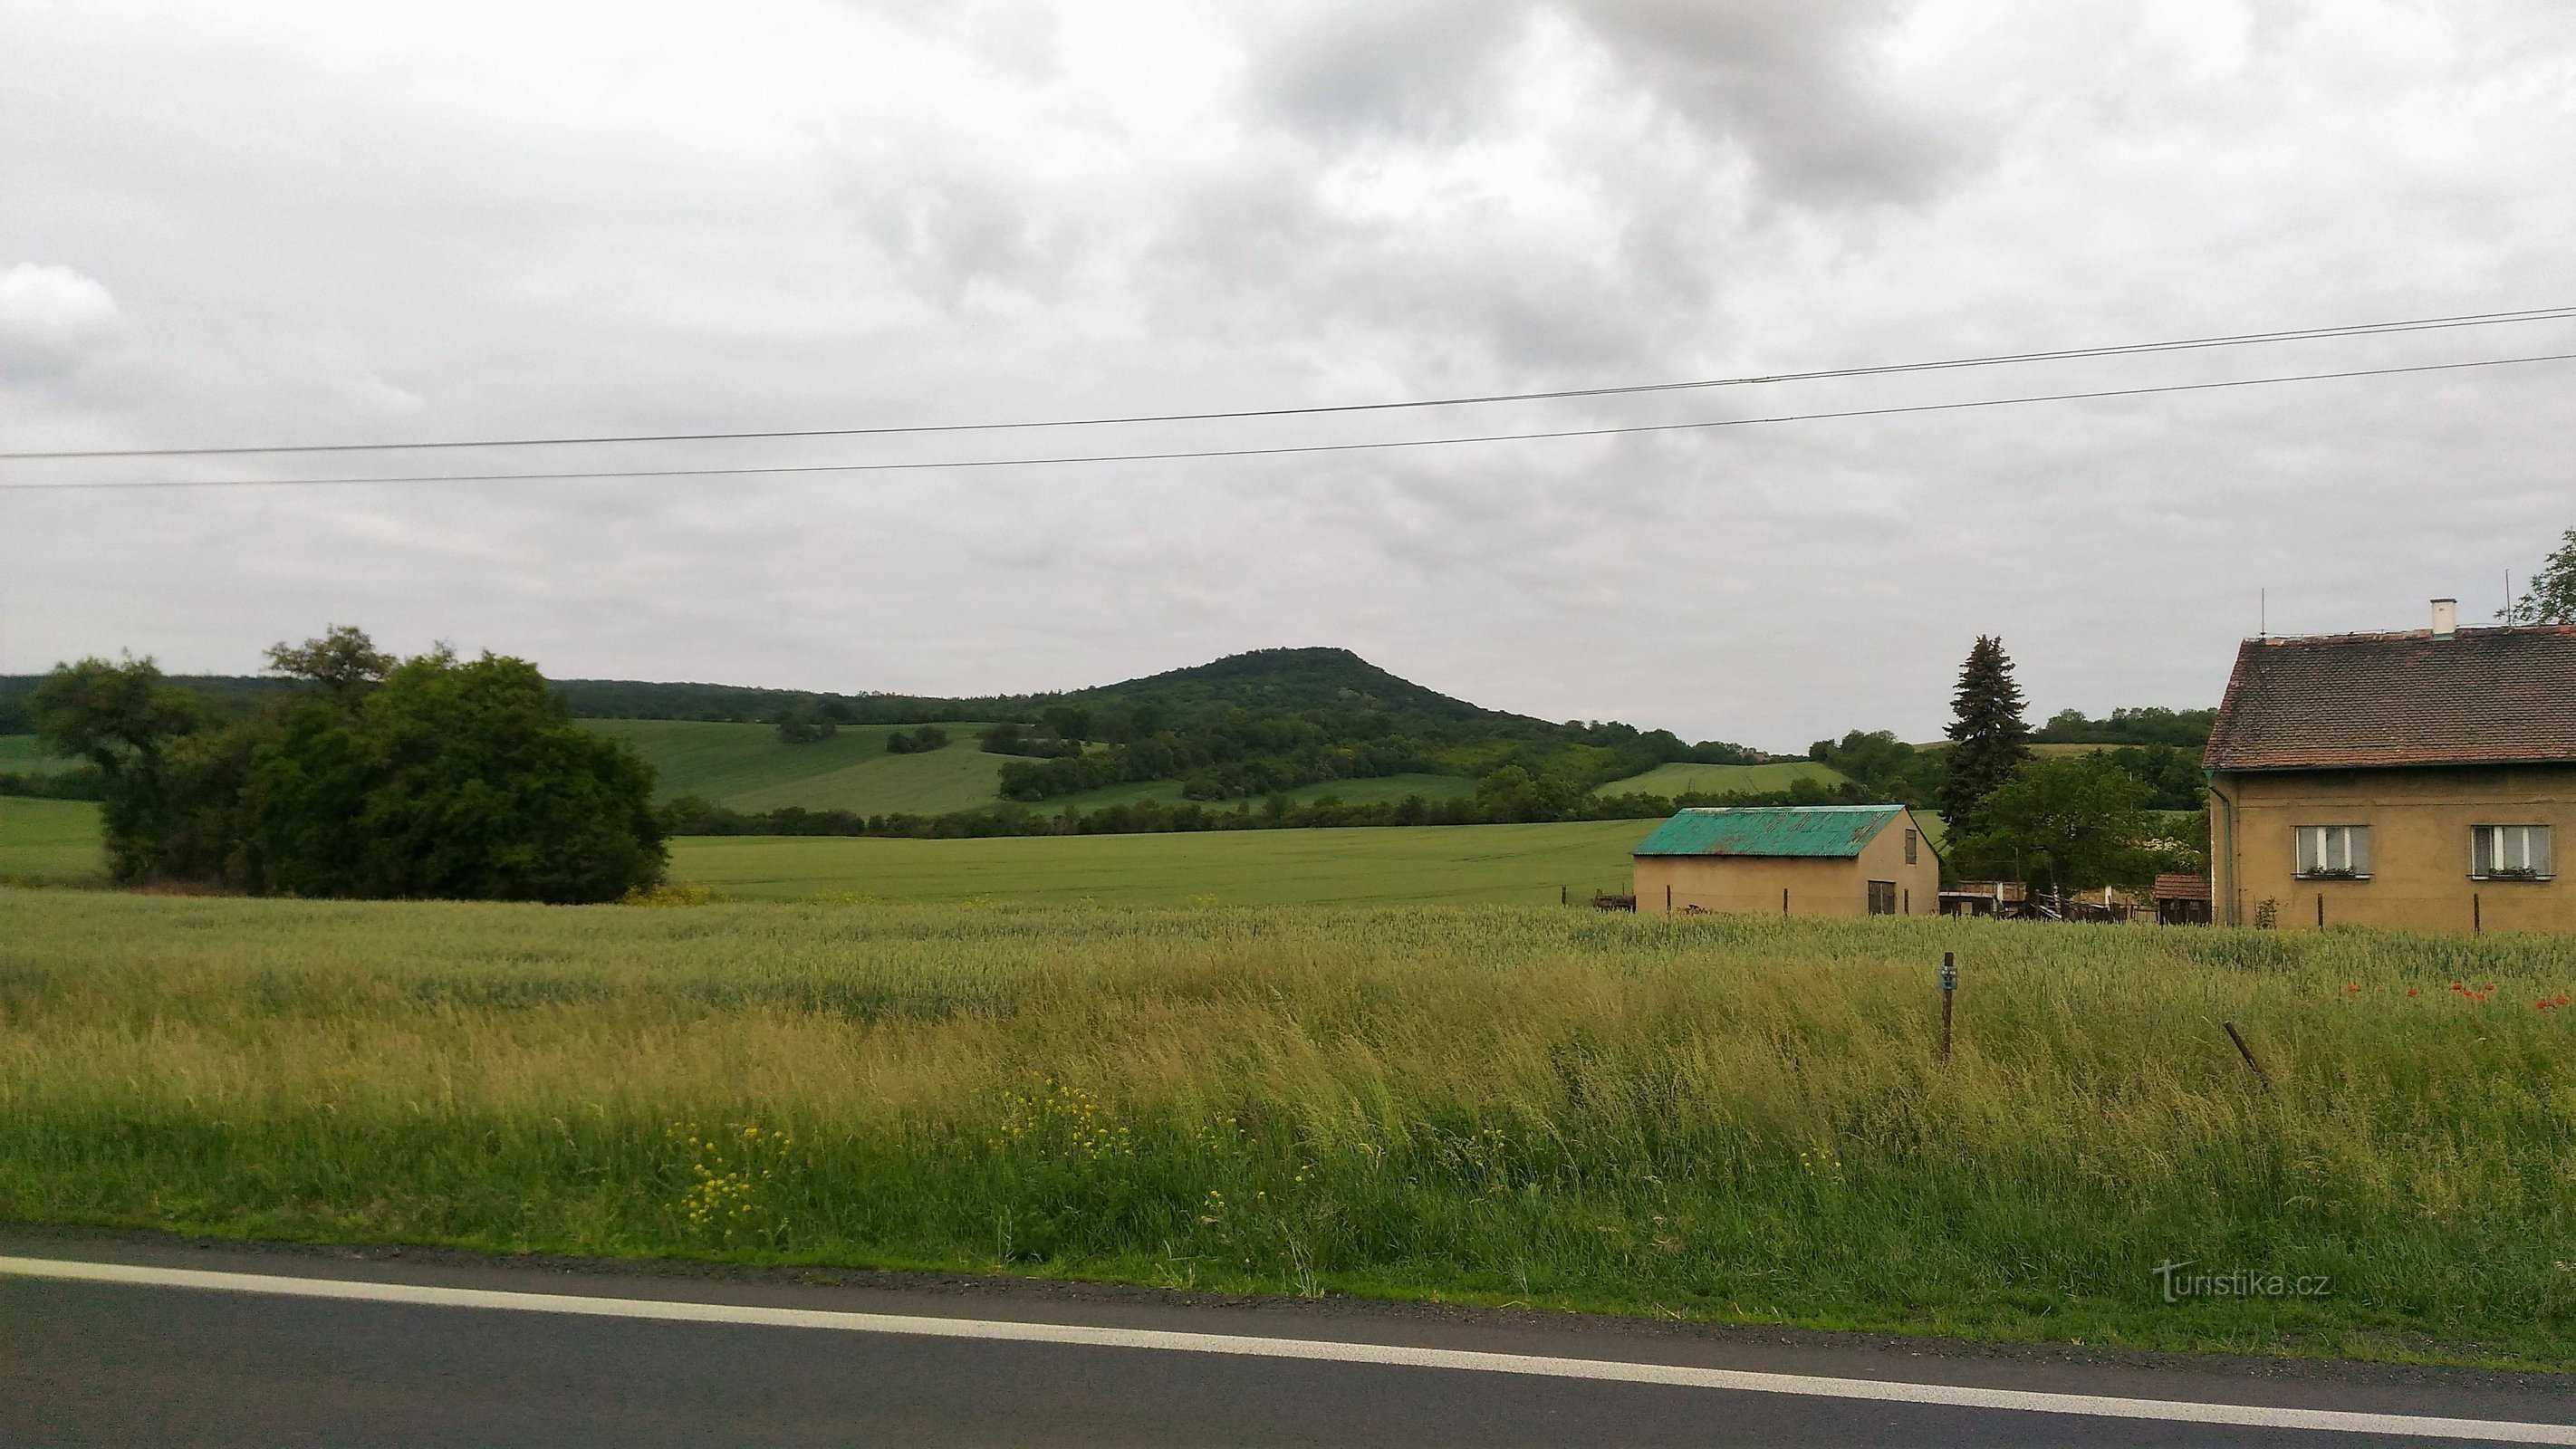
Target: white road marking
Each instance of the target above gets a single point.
(1005, 1330)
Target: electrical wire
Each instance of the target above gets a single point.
(1280, 451)
(2134, 349)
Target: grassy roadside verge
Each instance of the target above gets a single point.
(1712, 1118)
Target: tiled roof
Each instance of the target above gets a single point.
(2346, 701)
(2182, 888)
(1810, 830)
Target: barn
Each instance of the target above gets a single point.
(1790, 860)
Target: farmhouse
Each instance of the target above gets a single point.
(2417, 780)
(1791, 860)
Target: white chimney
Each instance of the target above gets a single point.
(2446, 618)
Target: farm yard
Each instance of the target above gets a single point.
(1729, 1118)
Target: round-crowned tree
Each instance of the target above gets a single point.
(462, 779)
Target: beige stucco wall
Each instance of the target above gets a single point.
(2419, 821)
(1754, 884)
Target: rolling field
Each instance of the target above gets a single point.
(57, 841)
(1676, 779)
(745, 767)
(1523, 864)
(1387, 788)
(49, 840)
(1733, 1119)
(25, 755)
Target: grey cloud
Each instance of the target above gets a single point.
(1347, 69)
(1793, 82)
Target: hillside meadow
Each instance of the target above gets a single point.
(1734, 1119)
(49, 841)
(747, 767)
(27, 755)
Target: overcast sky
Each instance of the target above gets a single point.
(260, 223)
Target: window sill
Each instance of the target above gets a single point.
(2513, 879)
(2347, 879)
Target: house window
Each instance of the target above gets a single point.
(1882, 898)
(2334, 852)
(1912, 838)
(2509, 852)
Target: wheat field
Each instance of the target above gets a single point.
(1737, 1119)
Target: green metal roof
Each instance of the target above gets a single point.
(1811, 830)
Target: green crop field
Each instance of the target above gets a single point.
(25, 755)
(1724, 1118)
(1458, 863)
(57, 840)
(745, 767)
(49, 840)
(1677, 779)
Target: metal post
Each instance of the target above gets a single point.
(1949, 989)
(1668, 900)
(2321, 910)
(2477, 915)
(1784, 900)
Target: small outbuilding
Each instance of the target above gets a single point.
(2182, 900)
(1790, 860)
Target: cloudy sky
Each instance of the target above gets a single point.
(262, 223)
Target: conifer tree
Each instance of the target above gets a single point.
(1989, 740)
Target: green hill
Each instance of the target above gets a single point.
(1291, 680)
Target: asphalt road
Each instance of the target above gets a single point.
(137, 1363)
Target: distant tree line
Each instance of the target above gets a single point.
(2182, 729)
(1510, 796)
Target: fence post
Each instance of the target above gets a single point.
(1949, 989)
(2247, 1053)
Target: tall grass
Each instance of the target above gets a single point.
(1709, 1117)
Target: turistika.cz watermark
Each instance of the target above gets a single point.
(2237, 1283)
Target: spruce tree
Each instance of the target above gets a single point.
(1989, 741)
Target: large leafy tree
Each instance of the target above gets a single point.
(431, 777)
(2073, 822)
(129, 722)
(2551, 598)
(1989, 741)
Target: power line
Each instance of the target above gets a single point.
(1268, 452)
(2133, 349)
